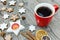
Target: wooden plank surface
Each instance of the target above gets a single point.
(53, 29)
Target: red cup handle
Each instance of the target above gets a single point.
(56, 7)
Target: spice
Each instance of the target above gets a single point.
(23, 17)
(30, 34)
(29, 38)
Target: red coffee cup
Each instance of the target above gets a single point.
(44, 21)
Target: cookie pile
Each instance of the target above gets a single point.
(15, 24)
(14, 20)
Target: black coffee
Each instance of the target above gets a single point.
(44, 11)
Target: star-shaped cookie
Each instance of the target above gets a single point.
(10, 10)
(5, 16)
(12, 3)
(14, 17)
(22, 10)
(3, 26)
(15, 27)
(32, 28)
(8, 37)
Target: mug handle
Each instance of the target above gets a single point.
(56, 7)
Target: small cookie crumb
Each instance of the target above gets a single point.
(23, 17)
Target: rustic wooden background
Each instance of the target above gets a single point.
(53, 29)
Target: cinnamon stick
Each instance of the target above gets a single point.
(29, 38)
(30, 34)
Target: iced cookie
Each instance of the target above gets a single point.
(3, 26)
(5, 16)
(12, 3)
(21, 11)
(31, 28)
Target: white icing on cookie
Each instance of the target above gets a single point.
(5, 16)
(12, 2)
(31, 28)
(3, 26)
(22, 10)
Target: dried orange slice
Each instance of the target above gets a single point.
(15, 26)
(40, 33)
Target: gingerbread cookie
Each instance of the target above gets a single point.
(12, 3)
(21, 4)
(2, 33)
(15, 27)
(10, 10)
(14, 17)
(8, 37)
(3, 1)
